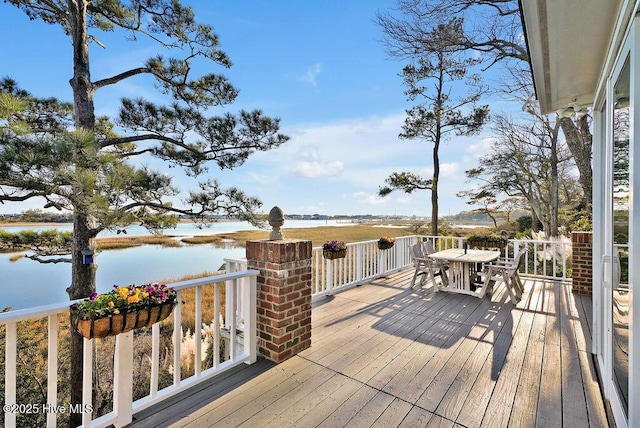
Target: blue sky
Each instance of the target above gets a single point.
(317, 65)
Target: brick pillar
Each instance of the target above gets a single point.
(582, 244)
(284, 296)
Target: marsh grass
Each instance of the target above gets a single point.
(117, 242)
(14, 258)
(188, 297)
(203, 239)
(319, 235)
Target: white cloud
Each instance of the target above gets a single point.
(264, 179)
(480, 148)
(350, 159)
(448, 170)
(368, 198)
(309, 153)
(318, 169)
(319, 208)
(311, 75)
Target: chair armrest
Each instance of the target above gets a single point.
(500, 263)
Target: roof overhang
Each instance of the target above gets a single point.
(568, 43)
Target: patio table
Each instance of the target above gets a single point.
(462, 268)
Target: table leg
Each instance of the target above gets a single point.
(460, 276)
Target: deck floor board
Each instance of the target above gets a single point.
(386, 355)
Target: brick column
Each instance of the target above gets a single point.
(284, 296)
(582, 244)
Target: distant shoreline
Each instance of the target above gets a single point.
(54, 224)
(24, 223)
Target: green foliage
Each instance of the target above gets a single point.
(40, 216)
(488, 238)
(524, 223)
(577, 219)
(474, 216)
(156, 130)
(45, 242)
(433, 70)
(406, 182)
(418, 228)
(437, 114)
(94, 167)
(445, 228)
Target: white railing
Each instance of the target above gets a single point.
(238, 332)
(364, 261)
(548, 259)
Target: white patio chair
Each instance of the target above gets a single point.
(506, 271)
(425, 266)
(440, 265)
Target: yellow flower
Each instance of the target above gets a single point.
(123, 292)
(144, 294)
(132, 299)
(111, 304)
(117, 311)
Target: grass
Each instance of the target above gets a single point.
(117, 242)
(317, 235)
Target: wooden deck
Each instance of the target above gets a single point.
(384, 355)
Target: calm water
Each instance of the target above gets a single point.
(26, 283)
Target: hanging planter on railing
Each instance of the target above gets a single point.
(332, 250)
(385, 243)
(332, 255)
(123, 309)
(487, 241)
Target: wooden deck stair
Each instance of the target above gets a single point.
(384, 355)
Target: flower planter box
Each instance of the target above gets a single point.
(332, 255)
(486, 241)
(124, 322)
(123, 309)
(487, 244)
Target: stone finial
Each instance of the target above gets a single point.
(276, 220)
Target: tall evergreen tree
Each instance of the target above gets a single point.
(493, 31)
(429, 82)
(73, 160)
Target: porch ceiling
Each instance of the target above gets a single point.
(568, 42)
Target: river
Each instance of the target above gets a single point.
(26, 283)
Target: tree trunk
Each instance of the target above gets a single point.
(83, 283)
(495, 221)
(579, 141)
(434, 187)
(434, 207)
(439, 100)
(81, 80)
(82, 276)
(555, 200)
(534, 222)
